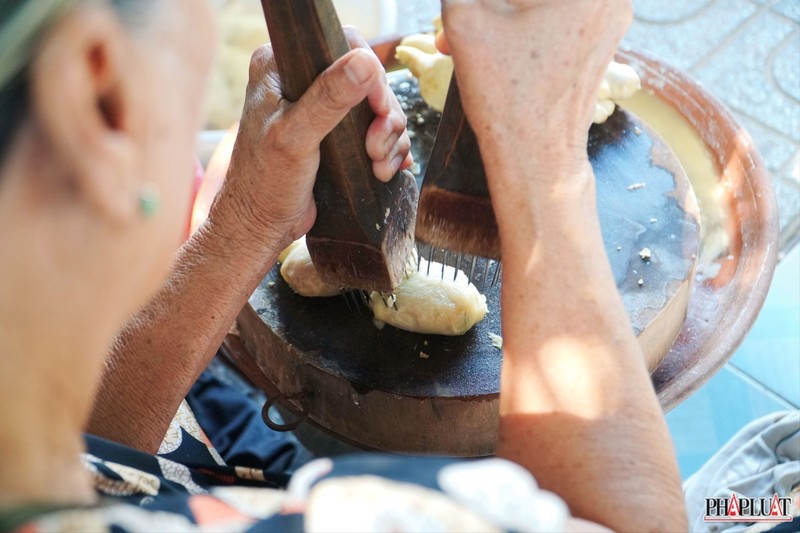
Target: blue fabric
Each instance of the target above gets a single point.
(189, 493)
(787, 527)
(416, 470)
(232, 421)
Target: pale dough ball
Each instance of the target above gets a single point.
(298, 271)
(620, 83)
(425, 303)
(432, 69)
(421, 303)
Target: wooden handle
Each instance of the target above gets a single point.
(364, 230)
(455, 210)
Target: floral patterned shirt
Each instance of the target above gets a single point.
(188, 487)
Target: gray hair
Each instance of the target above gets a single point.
(22, 25)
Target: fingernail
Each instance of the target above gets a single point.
(387, 102)
(359, 67)
(387, 149)
(396, 162)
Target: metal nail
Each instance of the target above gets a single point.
(497, 271)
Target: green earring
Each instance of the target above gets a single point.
(149, 200)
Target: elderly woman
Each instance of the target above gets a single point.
(99, 103)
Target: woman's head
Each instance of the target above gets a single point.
(100, 101)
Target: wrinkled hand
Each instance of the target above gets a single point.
(551, 56)
(276, 155)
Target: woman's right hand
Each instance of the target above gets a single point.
(574, 384)
(552, 55)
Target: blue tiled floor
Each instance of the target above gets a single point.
(704, 422)
(771, 352)
(762, 377)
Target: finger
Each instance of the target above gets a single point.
(441, 43)
(383, 134)
(408, 162)
(332, 95)
(381, 138)
(387, 128)
(263, 82)
(355, 39)
(386, 168)
(382, 100)
(262, 62)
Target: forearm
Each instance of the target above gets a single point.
(162, 350)
(577, 405)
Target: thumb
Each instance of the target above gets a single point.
(333, 94)
(442, 44)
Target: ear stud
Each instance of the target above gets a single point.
(149, 200)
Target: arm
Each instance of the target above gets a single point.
(577, 407)
(265, 203)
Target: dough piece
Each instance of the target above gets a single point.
(298, 271)
(425, 303)
(432, 69)
(425, 42)
(286, 251)
(620, 83)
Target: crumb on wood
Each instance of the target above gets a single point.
(497, 340)
(423, 355)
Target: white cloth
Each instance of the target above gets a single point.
(762, 459)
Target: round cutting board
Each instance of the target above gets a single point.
(393, 390)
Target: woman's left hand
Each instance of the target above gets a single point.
(269, 187)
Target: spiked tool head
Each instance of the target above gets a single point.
(455, 210)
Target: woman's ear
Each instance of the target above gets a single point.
(81, 97)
